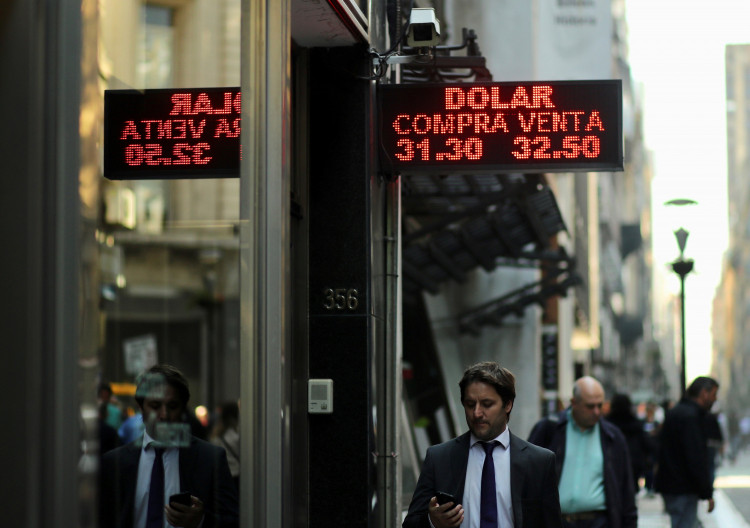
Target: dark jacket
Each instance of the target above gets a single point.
(640, 444)
(204, 472)
(683, 453)
(618, 476)
(533, 486)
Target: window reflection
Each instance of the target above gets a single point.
(156, 47)
(169, 249)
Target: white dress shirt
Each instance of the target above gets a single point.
(473, 485)
(171, 458)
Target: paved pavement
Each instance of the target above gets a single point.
(734, 481)
(725, 515)
(732, 497)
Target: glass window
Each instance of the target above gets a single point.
(156, 47)
(169, 248)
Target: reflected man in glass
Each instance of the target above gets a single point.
(140, 480)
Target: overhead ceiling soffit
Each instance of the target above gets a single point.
(477, 222)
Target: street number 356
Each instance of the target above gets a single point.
(341, 299)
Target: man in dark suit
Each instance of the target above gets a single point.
(497, 479)
(169, 460)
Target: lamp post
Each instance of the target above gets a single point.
(682, 267)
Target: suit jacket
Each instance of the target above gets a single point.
(204, 472)
(533, 482)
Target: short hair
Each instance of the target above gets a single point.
(621, 405)
(700, 384)
(155, 377)
(489, 372)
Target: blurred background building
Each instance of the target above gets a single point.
(731, 358)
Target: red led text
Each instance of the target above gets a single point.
(492, 124)
(181, 154)
(165, 133)
(481, 98)
(191, 104)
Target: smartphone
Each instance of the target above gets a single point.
(181, 498)
(445, 498)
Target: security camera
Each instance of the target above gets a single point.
(424, 28)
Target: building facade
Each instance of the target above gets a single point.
(731, 304)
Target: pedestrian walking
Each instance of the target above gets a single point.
(593, 464)
(640, 445)
(652, 425)
(487, 477)
(684, 475)
(166, 475)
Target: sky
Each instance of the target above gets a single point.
(676, 52)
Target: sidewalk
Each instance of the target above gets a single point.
(651, 513)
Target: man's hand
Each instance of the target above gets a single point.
(445, 515)
(711, 505)
(185, 516)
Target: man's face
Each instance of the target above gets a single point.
(708, 397)
(587, 408)
(486, 414)
(162, 406)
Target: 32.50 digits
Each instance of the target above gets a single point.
(182, 154)
(540, 147)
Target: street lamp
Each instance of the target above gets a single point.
(682, 267)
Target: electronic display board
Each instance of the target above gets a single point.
(172, 133)
(502, 127)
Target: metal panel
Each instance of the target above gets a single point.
(264, 261)
(341, 310)
(40, 86)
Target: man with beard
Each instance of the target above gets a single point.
(138, 479)
(495, 478)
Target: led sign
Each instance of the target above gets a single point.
(502, 127)
(174, 133)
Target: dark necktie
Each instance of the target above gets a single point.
(155, 516)
(488, 508)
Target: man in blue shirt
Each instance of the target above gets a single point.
(593, 465)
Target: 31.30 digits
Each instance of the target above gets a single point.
(452, 149)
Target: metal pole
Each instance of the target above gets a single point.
(683, 362)
(389, 436)
(682, 267)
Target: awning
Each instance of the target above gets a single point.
(456, 223)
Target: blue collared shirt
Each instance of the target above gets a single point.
(582, 480)
(473, 483)
(171, 460)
